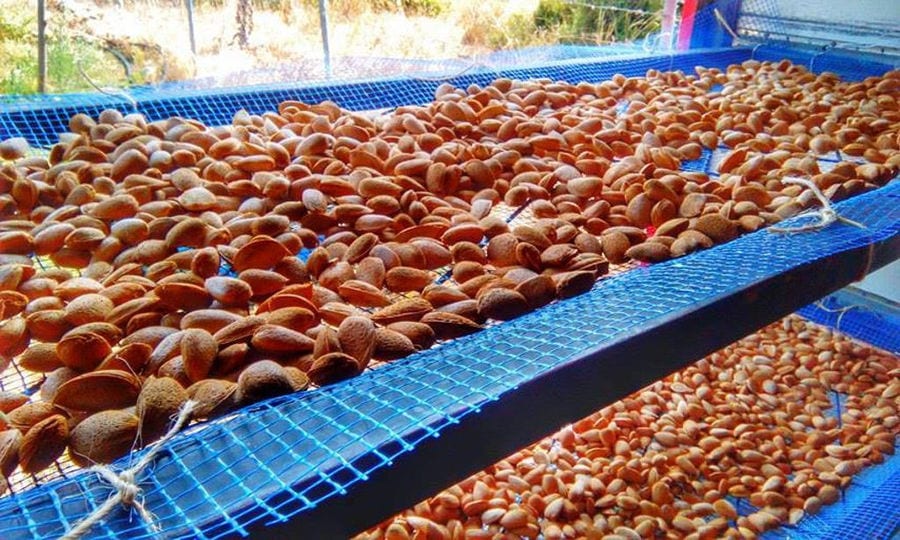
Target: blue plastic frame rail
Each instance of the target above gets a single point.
(331, 462)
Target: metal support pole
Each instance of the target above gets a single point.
(323, 25)
(189, 5)
(42, 49)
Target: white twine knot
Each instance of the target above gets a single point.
(125, 482)
(827, 214)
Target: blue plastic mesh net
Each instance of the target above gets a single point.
(852, 313)
(817, 23)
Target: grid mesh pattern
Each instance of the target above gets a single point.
(812, 23)
(284, 456)
(852, 315)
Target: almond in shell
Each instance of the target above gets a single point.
(362, 294)
(284, 300)
(10, 440)
(357, 338)
(569, 284)
(10, 401)
(229, 291)
(198, 351)
(441, 295)
(206, 262)
(467, 308)
(333, 367)
(688, 242)
(14, 338)
(326, 342)
(391, 345)
(103, 437)
(335, 312)
(420, 334)
(212, 397)
(449, 325)
(558, 255)
(29, 414)
(11, 304)
(98, 390)
(54, 380)
(211, 320)
(360, 248)
(615, 245)
(299, 319)
(717, 227)
(263, 282)
(43, 444)
(274, 339)
(298, 378)
(371, 270)
(539, 290)
(502, 304)
(186, 296)
(261, 380)
(132, 358)
(83, 351)
(336, 274)
(261, 252)
(239, 331)
(407, 309)
(40, 358)
(648, 252)
(159, 402)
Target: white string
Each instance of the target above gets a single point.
(841, 311)
(721, 19)
(125, 482)
(827, 214)
(108, 90)
(472, 64)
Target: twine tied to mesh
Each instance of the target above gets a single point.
(827, 214)
(125, 482)
(840, 311)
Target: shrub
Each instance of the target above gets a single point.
(585, 22)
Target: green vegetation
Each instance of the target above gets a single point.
(561, 21)
(18, 48)
(599, 21)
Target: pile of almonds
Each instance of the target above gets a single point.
(739, 443)
(186, 237)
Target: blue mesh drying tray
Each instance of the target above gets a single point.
(323, 460)
(41, 119)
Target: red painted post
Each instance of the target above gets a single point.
(686, 28)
